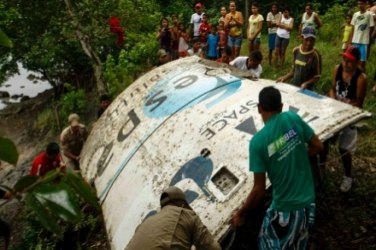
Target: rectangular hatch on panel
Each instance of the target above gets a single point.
(224, 180)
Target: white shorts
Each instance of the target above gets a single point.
(347, 139)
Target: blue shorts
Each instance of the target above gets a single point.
(281, 43)
(271, 41)
(234, 41)
(257, 41)
(286, 230)
(363, 51)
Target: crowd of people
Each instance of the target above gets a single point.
(290, 217)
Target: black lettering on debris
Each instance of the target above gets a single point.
(156, 100)
(231, 116)
(105, 158)
(243, 110)
(222, 121)
(185, 81)
(208, 133)
(135, 122)
(251, 103)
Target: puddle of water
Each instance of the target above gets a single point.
(22, 84)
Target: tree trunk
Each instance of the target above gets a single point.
(89, 51)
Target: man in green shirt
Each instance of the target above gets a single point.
(279, 150)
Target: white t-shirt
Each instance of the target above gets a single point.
(196, 20)
(273, 18)
(241, 63)
(192, 53)
(283, 32)
(183, 45)
(362, 24)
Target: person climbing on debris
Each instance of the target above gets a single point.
(47, 160)
(176, 226)
(72, 140)
(279, 149)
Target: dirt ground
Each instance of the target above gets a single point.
(343, 221)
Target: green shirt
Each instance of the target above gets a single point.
(279, 149)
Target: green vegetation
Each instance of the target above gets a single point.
(73, 101)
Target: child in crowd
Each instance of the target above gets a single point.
(165, 36)
(183, 41)
(204, 29)
(213, 44)
(347, 29)
(272, 18)
(222, 37)
(175, 37)
(226, 56)
(196, 49)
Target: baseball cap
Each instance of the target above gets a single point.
(162, 53)
(308, 32)
(198, 5)
(73, 119)
(352, 53)
(172, 194)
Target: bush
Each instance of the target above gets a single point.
(73, 101)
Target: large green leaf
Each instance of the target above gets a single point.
(51, 175)
(44, 216)
(25, 183)
(59, 199)
(76, 182)
(4, 40)
(8, 151)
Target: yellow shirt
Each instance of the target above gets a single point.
(253, 23)
(236, 30)
(346, 33)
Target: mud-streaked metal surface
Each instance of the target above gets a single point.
(152, 135)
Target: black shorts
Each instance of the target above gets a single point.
(4, 228)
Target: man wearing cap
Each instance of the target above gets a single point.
(349, 85)
(47, 160)
(280, 150)
(163, 57)
(72, 140)
(176, 226)
(196, 20)
(306, 69)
